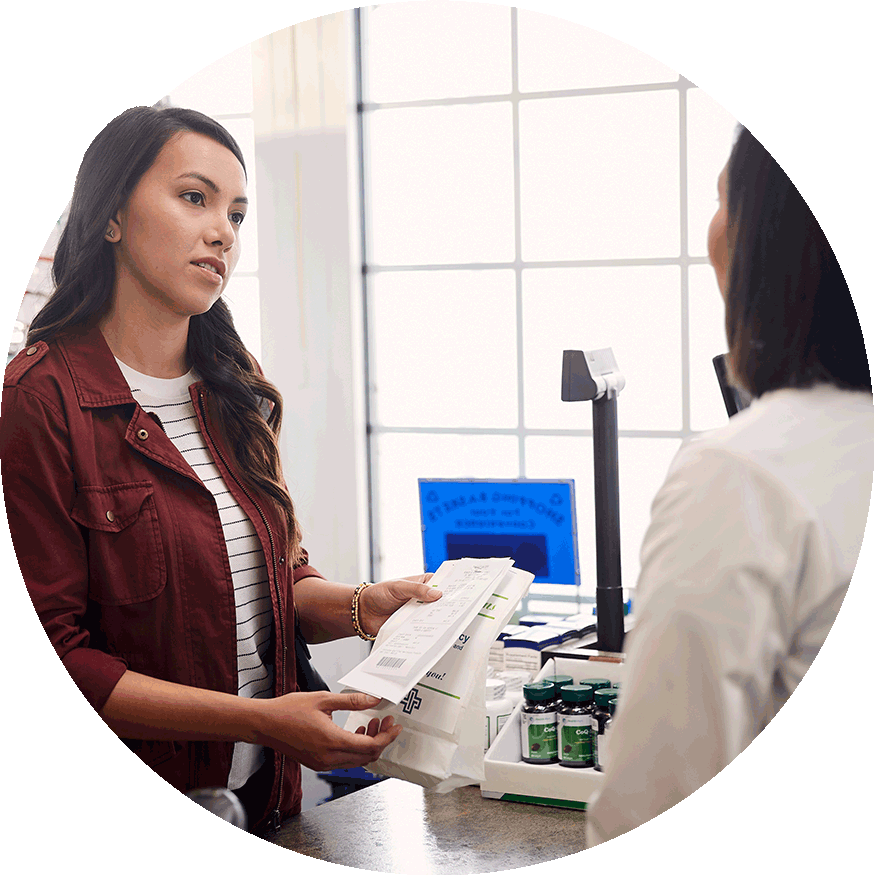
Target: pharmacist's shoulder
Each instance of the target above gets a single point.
(786, 425)
(790, 437)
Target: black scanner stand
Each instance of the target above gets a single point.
(586, 377)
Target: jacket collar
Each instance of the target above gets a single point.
(96, 376)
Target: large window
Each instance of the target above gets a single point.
(531, 186)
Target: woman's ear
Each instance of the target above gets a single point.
(113, 231)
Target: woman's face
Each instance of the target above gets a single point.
(177, 238)
(717, 236)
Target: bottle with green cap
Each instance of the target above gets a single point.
(602, 741)
(559, 681)
(575, 727)
(538, 723)
(600, 716)
(596, 683)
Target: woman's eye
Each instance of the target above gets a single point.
(197, 198)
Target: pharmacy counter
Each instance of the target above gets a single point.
(394, 826)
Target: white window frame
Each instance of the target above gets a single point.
(541, 593)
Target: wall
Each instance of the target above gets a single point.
(310, 297)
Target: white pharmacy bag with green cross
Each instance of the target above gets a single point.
(443, 715)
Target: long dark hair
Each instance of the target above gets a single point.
(84, 276)
(790, 319)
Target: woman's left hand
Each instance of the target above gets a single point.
(378, 602)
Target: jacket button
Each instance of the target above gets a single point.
(142, 434)
(32, 351)
(282, 560)
(110, 515)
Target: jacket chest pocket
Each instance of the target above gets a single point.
(125, 551)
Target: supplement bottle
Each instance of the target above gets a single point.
(602, 742)
(513, 681)
(600, 716)
(575, 727)
(559, 681)
(538, 723)
(498, 710)
(596, 683)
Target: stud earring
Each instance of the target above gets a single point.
(110, 233)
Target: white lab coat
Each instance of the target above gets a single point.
(753, 540)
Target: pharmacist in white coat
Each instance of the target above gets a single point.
(757, 528)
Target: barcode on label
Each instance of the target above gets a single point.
(390, 662)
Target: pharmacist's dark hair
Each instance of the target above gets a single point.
(84, 276)
(790, 319)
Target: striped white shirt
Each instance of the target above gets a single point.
(170, 401)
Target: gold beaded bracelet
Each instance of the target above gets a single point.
(356, 622)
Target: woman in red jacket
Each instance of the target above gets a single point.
(157, 539)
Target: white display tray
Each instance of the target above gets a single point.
(510, 779)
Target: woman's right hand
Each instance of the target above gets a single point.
(299, 725)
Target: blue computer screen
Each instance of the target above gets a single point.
(531, 521)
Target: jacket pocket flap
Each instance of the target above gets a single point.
(110, 508)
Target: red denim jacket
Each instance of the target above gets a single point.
(121, 545)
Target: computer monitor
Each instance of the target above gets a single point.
(531, 521)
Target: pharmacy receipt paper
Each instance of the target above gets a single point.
(419, 633)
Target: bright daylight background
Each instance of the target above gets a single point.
(552, 193)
